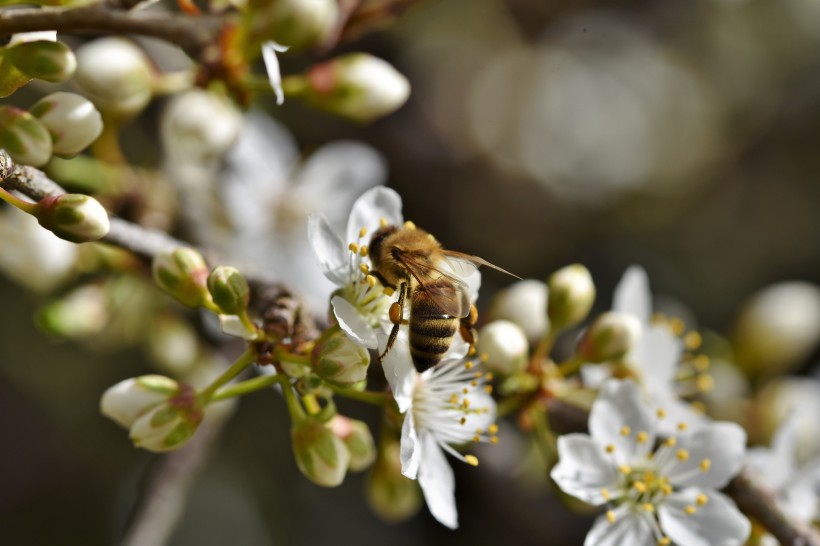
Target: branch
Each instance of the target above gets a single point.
(195, 35)
(751, 499)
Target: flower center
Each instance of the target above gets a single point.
(364, 291)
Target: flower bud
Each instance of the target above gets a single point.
(340, 361)
(320, 455)
(295, 23)
(358, 439)
(778, 328)
(229, 289)
(74, 217)
(571, 295)
(609, 337)
(24, 137)
(116, 75)
(81, 313)
(183, 274)
(505, 346)
(126, 401)
(72, 120)
(43, 59)
(524, 303)
(357, 86)
(393, 497)
(199, 127)
(169, 425)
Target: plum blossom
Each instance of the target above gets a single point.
(655, 358)
(446, 405)
(660, 489)
(360, 303)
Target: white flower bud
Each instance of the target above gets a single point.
(778, 328)
(295, 23)
(571, 295)
(787, 395)
(524, 303)
(320, 455)
(116, 75)
(126, 401)
(24, 137)
(505, 346)
(72, 120)
(357, 86)
(182, 273)
(358, 439)
(199, 127)
(43, 59)
(609, 337)
(74, 217)
(340, 361)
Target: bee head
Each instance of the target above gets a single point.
(375, 246)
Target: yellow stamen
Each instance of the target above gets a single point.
(353, 247)
(682, 426)
(649, 507)
(640, 487)
(610, 448)
(610, 516)
(471, 351)
(701, 499)
(682, 455)
(409, 225)
(701, 363)
(625, 431)
(493, 429)
(476, 438)
(692, 340)
(362, 232)
(363, 251)
(661, 413)
(488, 376)
(705, 464)
(690, 510)
(488, 389)
(388, 291)
(454, 398)
(472, 460)
(605, 493)
(625, 469)
(666, 489)
(670, 442)
(493, 439)
(641, 437)
(469, 365)
(677, 326)
(484, 357)
(465, 390)
(705, 383)
(382, 222)
(364, 269)
(371, 280)
(462, 420)
(664, 541)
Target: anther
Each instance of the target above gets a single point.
(471, 351)
(625, 469)
(705, 383)
(488, 389)
(609, 448)
(353, 247)
(468, 365)
(682, 426)
(465, 403)
(625, 431)
(484, 357)
(640, 487)
(363, 251)
(473, 383)
(682, 455)
(664, 541)
(493, 440)
(610, 516)
(605, 493)
(701, 499)
(661, 413)
(364, 269)
(409, 225)
(705, 464)
(493, 429)
(463, 420)
(670, 442)
(465, 390)
(692, 340)
(641, 437)
(690, 509)
(701, 363)
(476, 438)
(371, 280)
(677, 325)
(488, 376)
(362, 232)
(382, 222)
(454, 398)
(649, 507)
(472, 460)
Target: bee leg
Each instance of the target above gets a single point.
(468, 332)
(396, 313)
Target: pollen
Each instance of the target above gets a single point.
(690, 510)
(705, 383)
(382, 222)
(488, 389)
(471, 460)
(677, 325)
(605, 493)
(476, 438)
(409, 225)
(492, 429)
(493, 440)
(625, 469)
(705, 465)
(362, 232)
(682, 426)
(701, 363)
(625, 431)
(692, 340)
(701, 499)
(463, 420)
(610, 516)
(682, 455)
(388, 291)
(353, 247)
(484, 357)
(371, 280)
(670, 442)
(641, 437)
(454, 398)
(639, 486)
(664, 541)
(365, 269)
(661, 413)
(648, 506)
(363, 251)
(610, 448)
(468, 365)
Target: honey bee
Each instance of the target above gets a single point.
(411, 261)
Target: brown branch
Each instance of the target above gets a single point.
(753, 500)
(194, 34)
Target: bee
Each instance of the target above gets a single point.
(411, 261)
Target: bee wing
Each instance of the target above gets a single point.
(451, 296)
(473, 261)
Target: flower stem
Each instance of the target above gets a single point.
(246, 359)
(245, 387)
(544, 346)
(25, 206)
(295, 409)
(368, 397)
(284, 356)
(544, 437)
(571, 365)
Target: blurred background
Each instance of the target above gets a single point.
(681, 136)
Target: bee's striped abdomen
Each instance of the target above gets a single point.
(431, 330)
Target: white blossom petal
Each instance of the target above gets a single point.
(722, 444)
(774, 466)
(410, 447)
(632, 294)
(370, 208)
(399, 370)
(717, 523)
(233, 326)
(329, 249)
(353, 323)
(584, 470)
(656, 357)
(627, 528)
(620, 405)
(437, 482)
(594, 376)
(269, 50)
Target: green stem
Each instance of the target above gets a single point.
(245, 387)
(544, 437)
(544, 345)
(295, 409)
(284, 356)
(571, 365)
(311, 404)
(25, 206)
(368, 397)
(256, 83)
(509, 405)
(248, 323)
(236, 368)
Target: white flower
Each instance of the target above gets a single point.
(131, 398)
(360, 305)
(444, 406)
(72, 120)
(661, 490)
(31, 255)
(654, 359)
(797, 488)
